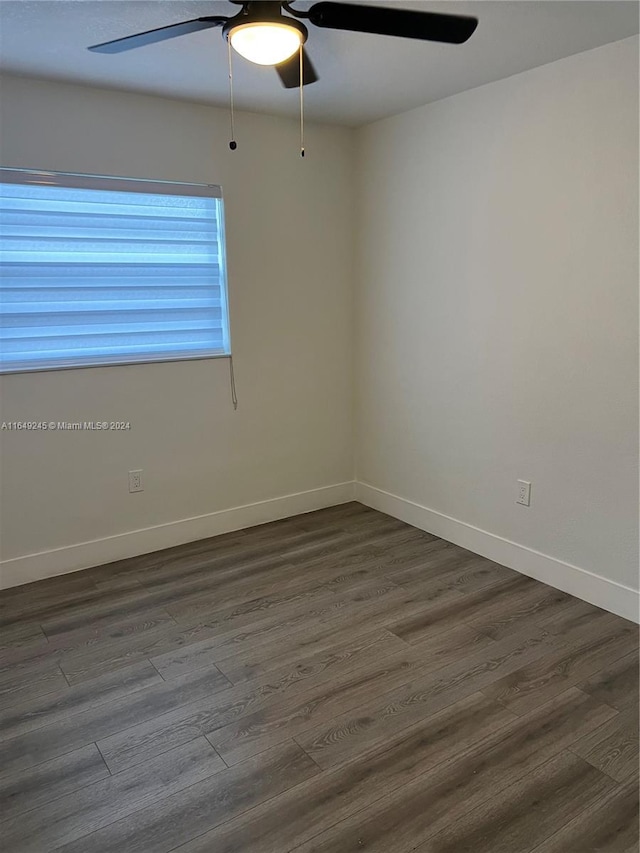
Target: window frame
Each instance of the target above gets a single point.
(78, 180)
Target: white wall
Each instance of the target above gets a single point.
(497, 317)
(289, 255)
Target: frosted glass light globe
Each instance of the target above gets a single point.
(265, 44)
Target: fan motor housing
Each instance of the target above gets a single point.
(263, 12)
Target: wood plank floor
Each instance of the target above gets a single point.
(335, 682)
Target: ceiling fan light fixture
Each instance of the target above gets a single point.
(267, 42)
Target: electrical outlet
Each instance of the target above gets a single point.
(524, 493)
(135, 481)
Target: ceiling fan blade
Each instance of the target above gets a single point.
(429, 26)
(161, 34)
(289, 71)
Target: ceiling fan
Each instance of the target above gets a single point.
(262, 33)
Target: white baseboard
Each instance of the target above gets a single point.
(60, 561)
(611, 596)
(586, 585)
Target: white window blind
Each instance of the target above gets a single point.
(109, 271)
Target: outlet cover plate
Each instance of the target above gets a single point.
(135, 481)
(524, 493)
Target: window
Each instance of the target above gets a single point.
(109, 271)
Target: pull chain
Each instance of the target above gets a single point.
(301, 103)
(233, 144)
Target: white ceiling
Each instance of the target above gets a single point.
(362, 77)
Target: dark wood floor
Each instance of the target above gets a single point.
(334, 682)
